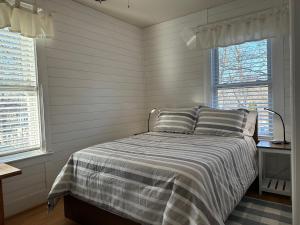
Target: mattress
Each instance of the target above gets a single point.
(162, 178)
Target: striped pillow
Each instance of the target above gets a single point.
(220, 122)
(176, 120)
(249, 125)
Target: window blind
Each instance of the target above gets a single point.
(19, 108)
(242, 79)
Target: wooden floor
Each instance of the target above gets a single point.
(253, 192)
(40, 216)
(271, 197)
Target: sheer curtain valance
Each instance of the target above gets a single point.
(260, 25)
(26, 19)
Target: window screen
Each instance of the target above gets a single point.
(242, 79)
(19, 108)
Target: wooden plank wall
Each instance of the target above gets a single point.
(178, 76)
(101, 75)
(95, 82)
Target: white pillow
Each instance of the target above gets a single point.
(250, 125)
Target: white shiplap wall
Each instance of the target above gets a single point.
(93, 70)
(296, 109)
(174, 73)
(101, 74)
(178, 76)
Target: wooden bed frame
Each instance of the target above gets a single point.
(87, 214)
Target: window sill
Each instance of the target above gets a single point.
(265, 138)
(24, 156)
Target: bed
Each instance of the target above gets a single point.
(157, 178)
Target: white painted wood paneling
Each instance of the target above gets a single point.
(96, 93)
(178, 76)
(239, 8)
(174, 73)
(295, 92)
(102, 74)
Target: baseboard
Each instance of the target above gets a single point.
(23, 204)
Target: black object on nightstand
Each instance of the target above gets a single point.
(267, 184)
(284, 141)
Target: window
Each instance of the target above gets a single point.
(19, 99)
(242, 79)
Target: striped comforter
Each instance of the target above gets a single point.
(162, 178)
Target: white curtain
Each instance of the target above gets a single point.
(5, 13)
(26, 19)
(265, 24)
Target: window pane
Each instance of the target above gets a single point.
(242, 79)
(19, 121)
(247, 62)
(252, 98)
(17, 60)
(19, 107)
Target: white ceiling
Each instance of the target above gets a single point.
(144, 13)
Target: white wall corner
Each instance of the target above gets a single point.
(295, 82)
(278, 87)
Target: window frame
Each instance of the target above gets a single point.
(41, 63)
(215, 86)
(40, 68)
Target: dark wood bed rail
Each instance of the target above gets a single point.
(255, 135)
(86, 214)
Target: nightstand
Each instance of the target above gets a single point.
(272, 184)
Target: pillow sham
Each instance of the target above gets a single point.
(249, 122)
(176, 120)
(220, 122)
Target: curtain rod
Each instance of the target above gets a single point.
(235, 17)
(32, 3)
